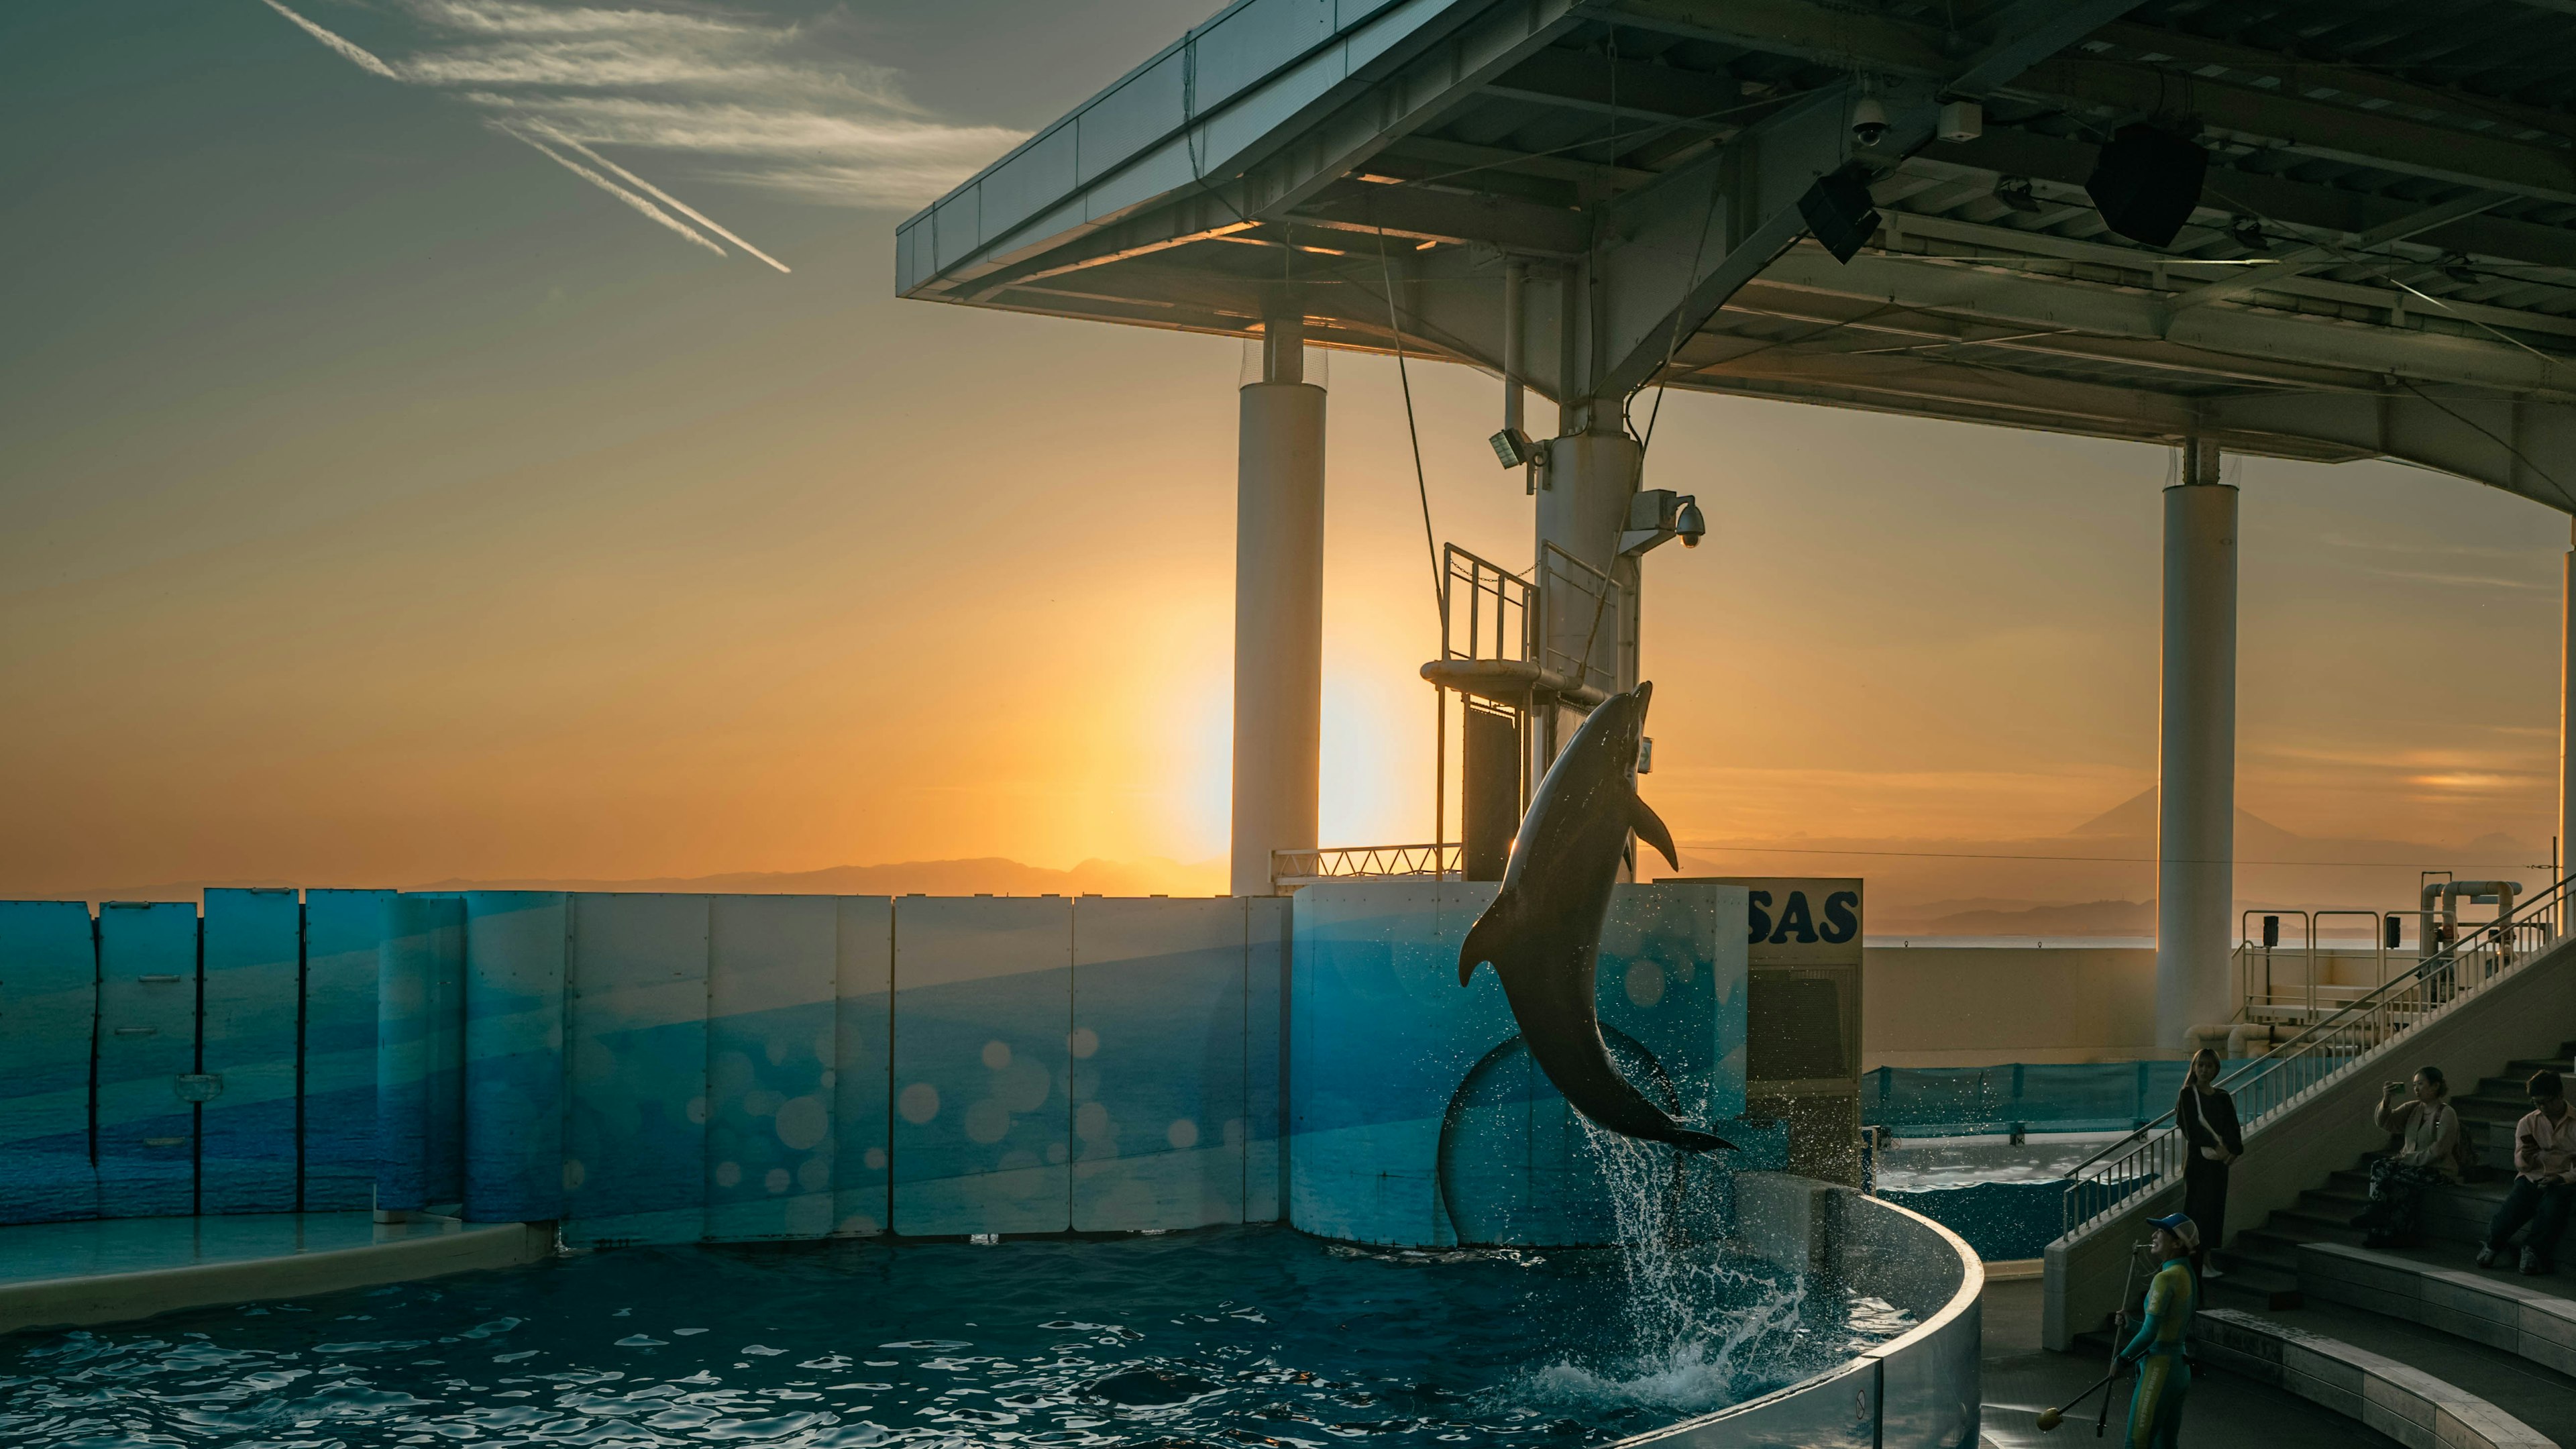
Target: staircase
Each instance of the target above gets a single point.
(2263, 1262)
(2493, 1006)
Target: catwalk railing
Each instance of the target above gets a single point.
(1366, 862)
(2324, 1050)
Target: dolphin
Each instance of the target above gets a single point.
(1542, 934)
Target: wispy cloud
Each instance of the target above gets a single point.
(350, 51)
(730, 99)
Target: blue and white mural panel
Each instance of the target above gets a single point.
(343, 930)
(1419, 1119)
(1159, 1107)
(635, 1131)
(247, 1161)
(862, 1085)
(1265, 1008)
(147, 1042)
(983, 1020)
(517, 956)
(48, 1019)
(772, 1048)
(420, 1053)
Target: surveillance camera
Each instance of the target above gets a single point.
(1689, 524)
(1869, 121)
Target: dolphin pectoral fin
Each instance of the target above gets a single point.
(1483, 939)
(1691, 1139)
(1651, 829)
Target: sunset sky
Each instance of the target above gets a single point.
(385, 500)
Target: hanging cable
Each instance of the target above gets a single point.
(1412, 430)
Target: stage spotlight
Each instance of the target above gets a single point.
(2249, 234)
(2146, 182)
(1838, 210)
(2456, 267)
(2014, 192)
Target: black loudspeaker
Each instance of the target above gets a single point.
(2271, 931)
(1838, 210)
(2145, 183)
(2395, 925)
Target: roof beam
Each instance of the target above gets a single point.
(2029, 32)
(2307, 259)
(1878, 320)
(2306, 127)
(1816, 31)
(1425, 214)
(2006, 151)
(1684, 246)
(2241, 332)
(2303, 76)
(2519, 446)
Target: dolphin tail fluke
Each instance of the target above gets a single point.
(1691, 1139)
(1651, 829)
(1483, 939)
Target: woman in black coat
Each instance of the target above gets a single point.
(2206, 1116)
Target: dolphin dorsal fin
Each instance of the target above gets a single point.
(1483, 939)
(1651, 829)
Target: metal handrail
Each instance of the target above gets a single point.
(2155, 1153)
(1497, 603)
(1440, 861)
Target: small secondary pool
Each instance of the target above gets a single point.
(2008, 1199)
(1226, 1336)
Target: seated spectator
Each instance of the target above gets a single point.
(2420, 1116)
(2544, 1184)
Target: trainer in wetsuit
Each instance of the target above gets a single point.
(2162, 1346)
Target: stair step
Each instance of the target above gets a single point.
(2312, 1350)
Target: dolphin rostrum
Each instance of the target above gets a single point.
(1543, 932)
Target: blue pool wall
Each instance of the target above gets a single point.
(676, 1068)
(2036, 1096)
(649, 1068)
(1383, 1038)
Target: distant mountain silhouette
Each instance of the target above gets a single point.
(2102, 871)
(2136, 817)
(988, 875)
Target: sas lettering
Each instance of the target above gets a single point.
(1840, 923)
(1795, 917)
(1755, 901)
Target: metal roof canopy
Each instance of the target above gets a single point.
(2404, 170)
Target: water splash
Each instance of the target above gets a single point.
(1697, 1329)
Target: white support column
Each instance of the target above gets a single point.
(1582, 507)
(2196, 753)
(1278, 610)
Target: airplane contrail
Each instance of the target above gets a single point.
(612, 188)
(702, 218)
(349, 50)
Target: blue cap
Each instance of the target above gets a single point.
(2181, 1226)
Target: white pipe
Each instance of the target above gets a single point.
(2196, 749)
(1515, 343)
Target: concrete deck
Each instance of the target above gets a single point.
(2225, 1411)
(116, 1269)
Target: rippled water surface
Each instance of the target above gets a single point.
(1223, 1337)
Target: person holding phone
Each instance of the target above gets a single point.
(2206, 1116)
(2544, 1184)
(2419, 1114)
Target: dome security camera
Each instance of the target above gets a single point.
(1868, 121)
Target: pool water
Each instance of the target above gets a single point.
(1228, 1336)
